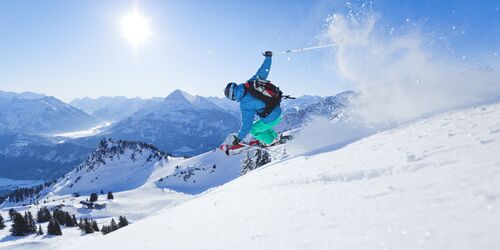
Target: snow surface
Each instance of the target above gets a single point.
(432, 184)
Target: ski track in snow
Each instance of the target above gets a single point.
(432, 184)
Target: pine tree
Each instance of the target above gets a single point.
(40, 231)
(40, 215)
(12, 214)
(263, 157)
(43, 215)
(69, 220)
(31, 224)
(93, 197)
(81, 225)
(53, 228)
(75, 222)
(105, 229)
(247, 164)
(19, 226)
(110, 196)
(57, 228)
(255, 159)
(113, 225)
(87, 227)
(59, 216)
(95, 226)
(2, 223)
(122, 221)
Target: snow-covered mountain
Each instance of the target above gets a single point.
(118, 165)
(114, 165)
(28, 95)
(113, 109)
(301, 102)
(33, 113)
(299, 112)
(224, 103)
(180, 124)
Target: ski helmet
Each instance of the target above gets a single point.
(229, 90)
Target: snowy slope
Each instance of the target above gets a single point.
(200, 173)
(113, 166)
(122, 165)
(136, 185)
(434, 184)
(117, 166)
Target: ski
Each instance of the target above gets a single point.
(238, 148)
(254, 144)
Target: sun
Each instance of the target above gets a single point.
(135, 28)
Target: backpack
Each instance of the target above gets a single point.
(267, 92)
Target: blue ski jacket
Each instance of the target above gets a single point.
(250, 105)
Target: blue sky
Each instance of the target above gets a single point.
(72, 49)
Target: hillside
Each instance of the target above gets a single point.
(114, 165)
(377, 193)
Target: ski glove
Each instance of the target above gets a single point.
(268, 54)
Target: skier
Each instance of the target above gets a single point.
(262, 129)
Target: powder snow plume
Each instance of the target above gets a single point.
(399, 78)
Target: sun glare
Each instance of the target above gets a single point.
(135, 28)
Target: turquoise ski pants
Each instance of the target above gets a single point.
(264, 132)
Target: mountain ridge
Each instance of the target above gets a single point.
(41, 115)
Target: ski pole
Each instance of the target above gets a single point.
(306, 48)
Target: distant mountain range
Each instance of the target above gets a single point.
(180, 124)
(113, 109)
(294, 105)
(40, 114)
